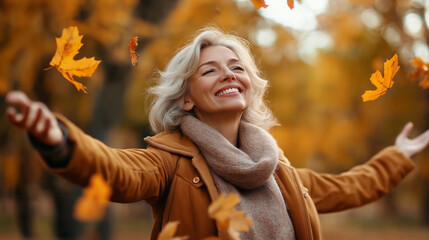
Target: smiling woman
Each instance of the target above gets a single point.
(186, 67)
(212, 138)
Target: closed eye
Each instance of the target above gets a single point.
(238, 68)
(207, 72)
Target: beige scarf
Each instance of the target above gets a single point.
(248, 172)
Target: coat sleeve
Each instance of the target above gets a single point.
(358, 186)
(133, 174)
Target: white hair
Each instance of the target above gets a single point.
(166, 111)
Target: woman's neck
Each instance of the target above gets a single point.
(226, 124)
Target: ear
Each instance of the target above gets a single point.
(188, 105)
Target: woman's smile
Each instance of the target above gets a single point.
(228, 91)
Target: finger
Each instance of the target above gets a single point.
(33, 119)
(45, 132)
(38, 123)
(423, 138)
(407, 129)
(17, 98)
(30, 117)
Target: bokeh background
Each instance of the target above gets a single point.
(317, 57)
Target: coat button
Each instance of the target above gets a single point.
(196, 180)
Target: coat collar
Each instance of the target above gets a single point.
(177, 143)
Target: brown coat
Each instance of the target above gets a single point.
(174, 178)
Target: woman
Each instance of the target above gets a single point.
(211, 124)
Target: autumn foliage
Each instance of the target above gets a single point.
(132, 45)
(230, 222)
(92, 205)
(317, 103)
(383, 84)
(420, 72)
(68, 46)
(261, 3)
(228, 219)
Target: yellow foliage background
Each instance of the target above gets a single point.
(324, 123)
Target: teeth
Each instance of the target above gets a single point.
(229, 90)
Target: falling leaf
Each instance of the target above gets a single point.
(168, 232)
(383, 84)
(132, 45)
(68, 46)
(290, 3)
(259, 3)
(238, 223)
(227, 218)
(421, 72)
(221, 209)
(92, 205)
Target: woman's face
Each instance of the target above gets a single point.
(220, 85)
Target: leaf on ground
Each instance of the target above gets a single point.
(68, 46)
(227, 218)
(168, 232)
(382, 84)
(420, 72)
(91, 206)
(259, 3)
(132, 45)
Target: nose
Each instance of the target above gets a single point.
(228, 75)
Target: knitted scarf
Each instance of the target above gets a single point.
(246, 171)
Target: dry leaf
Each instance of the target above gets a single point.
(92, 205)
(382, 83)
(68, 46)
(227, 218)
(421, 72)
(259, 3)
(168, 232)
(290, 3)
(132, 45)
(221, 209)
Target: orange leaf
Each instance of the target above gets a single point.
(92, 205)
(227, 218)
(259, 3)
(168, 232)
(290, 3)
(68, 46)
(382, 83)
(132, 45)
(424, 83)
(421, 72)
(221, 209)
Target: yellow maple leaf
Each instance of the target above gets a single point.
(68, 46)
(168, 232)
(91, 206)
(227, 218)
(259, 3)
(383, 84)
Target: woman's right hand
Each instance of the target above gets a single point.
(33, 117)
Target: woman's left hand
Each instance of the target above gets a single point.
(411, 146)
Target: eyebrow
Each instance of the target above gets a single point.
(231, 60)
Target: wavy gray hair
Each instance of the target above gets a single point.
(166, 110)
